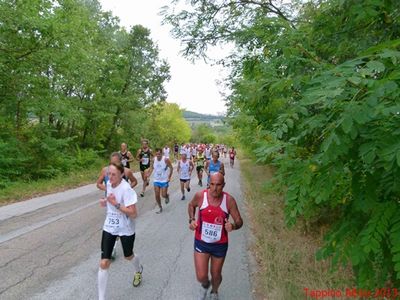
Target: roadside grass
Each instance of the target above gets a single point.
(23, 190)
(285, 257)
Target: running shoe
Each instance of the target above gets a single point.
(167, 199)
(214, 296)
(183, 197)
(141, 194)
(188, 189)
(137, 279)
(159, 211)
(203, 291)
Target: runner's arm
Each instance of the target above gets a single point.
(192, 210)
(132, 179)
(171, 168)
(130, 156)
(179, 167)
(129, 210)
(100, 181)
(234, 212)
(222, 169)
(191, 167)
(138, 155)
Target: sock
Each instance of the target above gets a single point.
(102, 277)
(136, 263)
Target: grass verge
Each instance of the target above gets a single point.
(22, 190)
(285, 257)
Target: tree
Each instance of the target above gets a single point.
(315, 90)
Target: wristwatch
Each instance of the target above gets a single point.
(117, 206)
(191, 219)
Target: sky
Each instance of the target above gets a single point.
(193, 86)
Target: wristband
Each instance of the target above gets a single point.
(117, 206)
(191, 219)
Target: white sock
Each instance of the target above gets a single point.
(136, 263)
(102, 277)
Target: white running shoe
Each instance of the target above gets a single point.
(214, 296)
(203, 291)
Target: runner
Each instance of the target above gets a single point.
(121, 211)
(225, 151)
(185, 168)
(200, 158)
(232, 154)
(176, 151)
(161, 177)
(103, 178)
(214, 166)
(166, 151)
(211, 232)
(194, 152)
(208, 152)
(126, 156)
(144, 156)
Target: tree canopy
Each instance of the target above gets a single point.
(315, 92)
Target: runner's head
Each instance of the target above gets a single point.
(115, 158)
(124, 147)
(158, 153)
(115, 173)
(215, 156)
(145, 143)
(183, 156)
(217, 184)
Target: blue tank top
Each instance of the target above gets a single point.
(214, 167)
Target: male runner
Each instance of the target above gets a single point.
(208, 152)
(214, 166)
(121, 211)
(176, 151)
(185, 168)
(232, 154)
(144, 156)
(126, 156)
(200, 158)
(166, 151)
(161, 177)
(211, 232)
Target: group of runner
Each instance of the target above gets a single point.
(212, 206)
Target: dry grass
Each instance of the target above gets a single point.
(18, 191)
(285, 257)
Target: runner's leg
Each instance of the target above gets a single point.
(201, 261)
(216, 272)
(158, 196)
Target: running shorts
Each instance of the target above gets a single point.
(199, 168)
(184, 180)
(161, 184)
(217, 250)
(144, 167)
(108, 242)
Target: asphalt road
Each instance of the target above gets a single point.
(50, 248)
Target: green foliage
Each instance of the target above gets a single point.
(315, 92)
(73, 85)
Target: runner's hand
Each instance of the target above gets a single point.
(193, 225)
(228, 226)
(111, 199)
(103, 202)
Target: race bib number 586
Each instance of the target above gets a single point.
(211, 233)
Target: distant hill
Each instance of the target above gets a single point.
(196, 118)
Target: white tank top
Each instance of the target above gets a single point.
(166, 152)
(208, 153)
(160, 170)
(184, 171)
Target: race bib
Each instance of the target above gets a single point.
(124, 161)
(211, 233)
(114, 221)
(145, 161)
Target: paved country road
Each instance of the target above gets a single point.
(50, 248)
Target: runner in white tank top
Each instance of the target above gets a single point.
(166, 151)
(185, 168)
(161, 177)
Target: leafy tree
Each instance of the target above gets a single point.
(315, 89)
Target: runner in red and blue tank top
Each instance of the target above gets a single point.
(211, 227)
